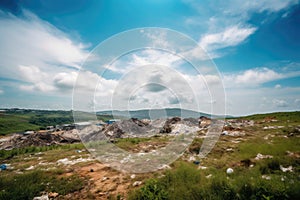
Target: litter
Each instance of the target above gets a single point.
(3, 167)
(196, 162)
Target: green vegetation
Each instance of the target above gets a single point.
(186, 182)
(10, 123)
(31, 184)
(281, 116)
(43, 121)
(8, 154)
(19, 120)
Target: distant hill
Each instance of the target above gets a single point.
(155, 113)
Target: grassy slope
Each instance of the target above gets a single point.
(22, 120)
(10, 123)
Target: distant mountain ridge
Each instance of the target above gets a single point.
(155, 113)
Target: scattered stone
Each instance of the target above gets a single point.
(260, 156)
(43, 197)
(137, 183)
(91, 170)
(224, 133)
(208, 176)
(266, 177)
(132, 176)
(105, 178)
(66, 161)
(202, 167)
(53, 195)
(192, 158)
(30, 168)
(229, 171)
(286, 169)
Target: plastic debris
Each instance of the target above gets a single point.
(3, 167)
(196, 162)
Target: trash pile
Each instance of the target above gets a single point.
(135, 128)
(40, 139)
(235, 127)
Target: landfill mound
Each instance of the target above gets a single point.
(40, 139)
(137, 128)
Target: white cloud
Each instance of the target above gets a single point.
(38, 80)
(142, 58)
(231, 36)
(65, 80)
(30, 41)
(32, 73)
(277, 86)
(237, 7)
(227, 23)
(253, 77)
(1, 91)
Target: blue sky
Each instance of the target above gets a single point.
(255, 45)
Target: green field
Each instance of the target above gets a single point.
(19, 120)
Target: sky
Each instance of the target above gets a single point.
(253, 46)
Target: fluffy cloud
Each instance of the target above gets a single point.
(231, 36)
(229, 25)
(30, 41)
(1, 91)
(37, 79)
(254, 77)
(142, 58)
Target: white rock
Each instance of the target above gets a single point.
(286, 169)
(43, 197)
(266, 177)
(202, 167)
(259, 156)
(192, 158)
(30, 168)
(225, 133)
(132, 176)
(229, 171)
(137, 183)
